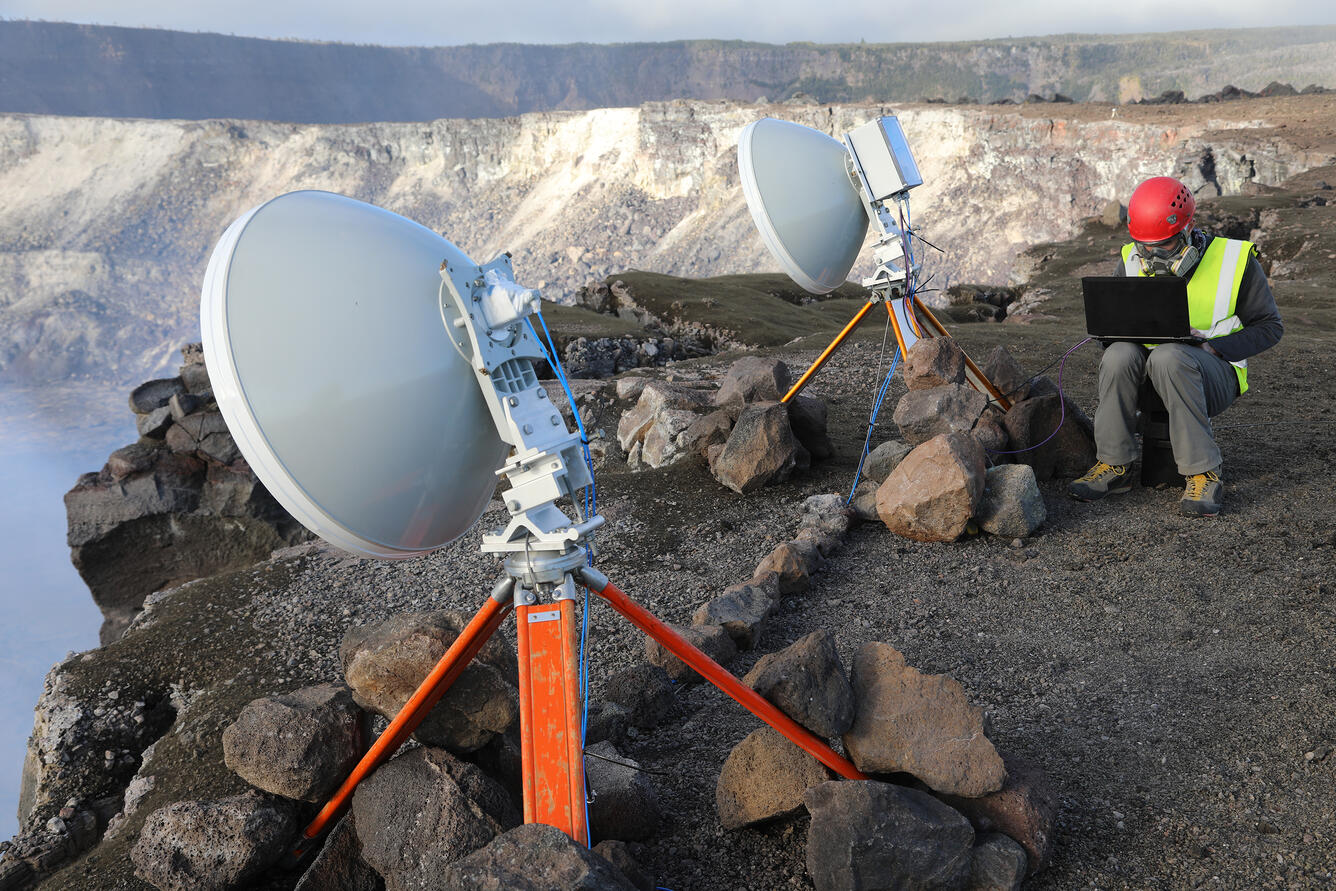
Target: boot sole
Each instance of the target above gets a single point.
(1090, 497)
(1203, 511)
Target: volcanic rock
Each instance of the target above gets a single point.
(705, 431)
(532, 857)
(385, 663)
(741, 609)
(339, 865)
(761, 449)
(712, 640)
(951, 408)
(1025, 809)
(299, 745)
(933, 362)
(155, 424)
(655, 398)
(198, 845)
(764, 779)
(920, 724)
(991, 435)
(616, 853)
(665, 442)
(1012, 506)
(999, 864)
(884, 458)
(867, 835)
(934, 492)
(624, 805)
(155, 394)
(1069, 453)
(789, 565)
(1005, 373)
(806, 681)
(753, 379)
(645, 691)
(423, 810)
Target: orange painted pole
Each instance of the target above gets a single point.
(976, 375)
(551, 746)
(895, 326)
(834, 345)
(470, 641)
(718, 675)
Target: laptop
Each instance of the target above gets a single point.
(1150, 309)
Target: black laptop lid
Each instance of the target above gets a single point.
(1144, 309)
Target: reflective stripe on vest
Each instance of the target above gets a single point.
(1213, 290)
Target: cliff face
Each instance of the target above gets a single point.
(107, 224)
(57, 68)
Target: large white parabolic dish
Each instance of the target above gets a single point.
(329, 357)
(806, 208)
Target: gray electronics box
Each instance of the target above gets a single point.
(880, 149)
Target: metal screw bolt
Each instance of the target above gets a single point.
(528, 428)
(514, 401)
(542, 394)
(555, 420)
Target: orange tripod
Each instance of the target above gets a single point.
(908, 331)
(550, 713)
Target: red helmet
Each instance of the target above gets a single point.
(1160, 208)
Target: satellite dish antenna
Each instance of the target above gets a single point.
(379, 381)
(802, 201)
(323, 334)
(812, 198)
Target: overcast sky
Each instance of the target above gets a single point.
(437, 23)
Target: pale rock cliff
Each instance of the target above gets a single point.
(107, 224)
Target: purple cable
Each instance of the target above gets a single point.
(1062, 405)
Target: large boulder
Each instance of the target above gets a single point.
(384, 664)
(624, 805)
(741, 609)
(933, 362)
(764, 779)
(935, 491)
(922, 724)
(951, 408)
(533, 857)
(1012, 505)
(869, 836)
(656, 397)
(712, 640)
(424, 810)
(665, 441)
(1024, 809)
(706, 431)
(1056, 437)
(760, 450)
(753, 379)
(807, 682)
(299, 745)
(212, 845)
(155, 394)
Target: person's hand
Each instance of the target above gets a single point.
(1205, 341)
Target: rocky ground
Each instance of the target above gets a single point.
(1172, 676)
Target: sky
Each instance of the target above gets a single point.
(436, 23)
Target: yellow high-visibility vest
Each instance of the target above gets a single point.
(1213, 290)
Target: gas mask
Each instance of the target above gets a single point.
(1173, 256)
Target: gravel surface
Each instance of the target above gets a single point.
(1172, 676)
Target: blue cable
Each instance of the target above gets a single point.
(872, 421)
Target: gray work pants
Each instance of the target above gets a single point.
(1194, 386)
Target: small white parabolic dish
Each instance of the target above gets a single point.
(328, 353)
(806, 208)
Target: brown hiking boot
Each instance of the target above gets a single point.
(1100, 480)
(1203, 494)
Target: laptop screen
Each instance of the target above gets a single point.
(1151, 309)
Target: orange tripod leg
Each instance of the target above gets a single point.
(551, 746)
(834, 345)
(428, 693)
(718, 675)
